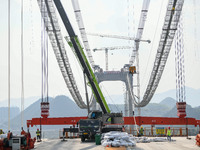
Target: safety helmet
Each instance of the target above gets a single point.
(168, 127)
(141, 126)
(37, 129)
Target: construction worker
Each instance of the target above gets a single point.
(23, 132)
(1, 131)
(169, 134)
(123, 129)
(38, 135)
(141, 131)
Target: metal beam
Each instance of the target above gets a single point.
(140, 120)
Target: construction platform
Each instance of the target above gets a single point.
(180, 143)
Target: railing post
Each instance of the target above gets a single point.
(181, 132)
(152, 130)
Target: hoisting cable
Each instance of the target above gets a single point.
(44, 56)
(179, 60)
(42, 97)
(8, 65)
(22, 68)
(44, 63)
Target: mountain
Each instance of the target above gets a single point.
(63, 106)
(14, 111)
(152, 109)
(192, 96)
(60, 106)
(191, 112)
(16, 102)
(169, 102)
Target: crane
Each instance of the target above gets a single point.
(94, 116)
(136, 39)
(119, 37)
(135, 53)
(111, 48)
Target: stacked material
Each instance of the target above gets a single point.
(198, 139)
(117, 139)
(147, 140)
(141, 139)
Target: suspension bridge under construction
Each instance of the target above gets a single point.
(55, 23)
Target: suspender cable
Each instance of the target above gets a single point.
(8, 65)
(22, 68)
(47, 62)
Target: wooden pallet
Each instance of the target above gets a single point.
(116, 148)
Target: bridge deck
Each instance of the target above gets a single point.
(181, 143)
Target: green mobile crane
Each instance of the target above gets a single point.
(96, 119)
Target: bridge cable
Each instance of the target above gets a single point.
(44, 55)
(112, 100)
(153, 42)
(22, 68)
(8, 65)
(179, 60)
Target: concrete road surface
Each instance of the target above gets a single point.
(181, 143)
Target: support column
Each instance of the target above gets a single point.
(126, 103)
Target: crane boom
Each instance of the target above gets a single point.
(112, 36)
(75, 44)
(112, 48)
(119, 37)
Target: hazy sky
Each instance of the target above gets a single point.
(100, 16)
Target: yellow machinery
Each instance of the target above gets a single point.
(132, 69)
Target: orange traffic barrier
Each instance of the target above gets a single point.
(198, 139)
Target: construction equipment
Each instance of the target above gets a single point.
(107, 117)
(198, 140)
(119, 37)
(111, 48)
(16, 142)
(132, 69)
(89, 128)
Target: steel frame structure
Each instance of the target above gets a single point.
(48, 13)
(173, 13)
(139, 120)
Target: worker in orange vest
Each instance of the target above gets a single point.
(23, 132)
(123, 129)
